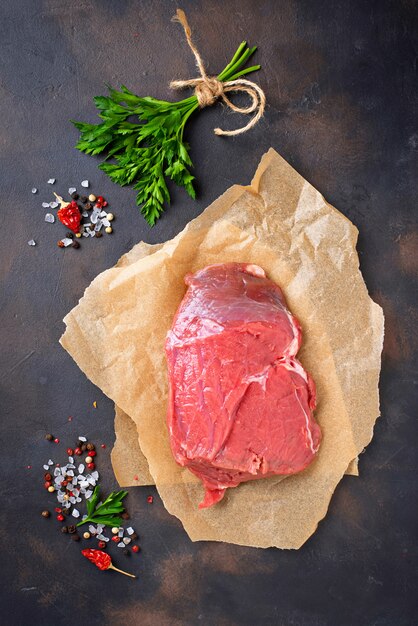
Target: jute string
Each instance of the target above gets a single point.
(208, 88)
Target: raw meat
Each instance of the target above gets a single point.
(240, 404)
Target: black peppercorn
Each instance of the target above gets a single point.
(45, 513)
(83, 447)
(75, 244)
(134, 536)
(88, 206)
(98, 234)
(49, 437)
(75, 537)
(83, 199)
(75, 195)
(64, 530)
(125, 516)
(72, 529)
(90, 446)
(69, 235)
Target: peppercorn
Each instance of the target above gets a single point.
(91, 466)
(126, 552)
(115, 539)
(48, 476)
(102, 545)
(100, 199)
(72, 529)
(45, 513)
(86, 535)
(75, 537)
(47, 484)
(135, 548)
(98, 234)
(49, 437)
(115, 530)
(78, 235)
(58, 509)
(64, 483)
(88, 206)
(90, 446)
(109, 230)
(77, 451)
(110, 217)
(83, 199)
(89, 459)
(60, 244)
(75, 244)
(92, 197)
(64, 529)
(125, 516)
(83, 447)
(75, 195)
(134, 536)
(92, 453)
(69, 235)
(51, 489)
(60, 517)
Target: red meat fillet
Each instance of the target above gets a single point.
(240, 403)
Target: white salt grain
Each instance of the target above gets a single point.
(121, 545)
(126, 540)
(51, 181)
(46, 467)
(72, 190)
(95, 475)
(71, 459)
(67, 242)
(53, 205)
(75, 513)
(83, 439)
(45, 205)
(80, 468)
(31, 242)
(49, 218)
(130, 530)
(88, 494)
(85, 183)
(34, 190)
(84, 214)
(50, 462)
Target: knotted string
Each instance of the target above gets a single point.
(208, 88)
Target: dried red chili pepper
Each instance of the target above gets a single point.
(70, 216)
(102, 560)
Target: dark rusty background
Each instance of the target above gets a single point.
(341, 84)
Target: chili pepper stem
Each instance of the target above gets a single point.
(121, 571)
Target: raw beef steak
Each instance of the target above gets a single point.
(240, 404)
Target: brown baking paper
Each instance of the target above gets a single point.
(116, 334)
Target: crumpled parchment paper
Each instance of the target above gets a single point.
(116, 335)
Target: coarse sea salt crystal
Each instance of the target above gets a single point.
(75, 513)
(45, 205)
(50, 462)
(120, 533)
(130, 530)
(49, 218)
(84, 183)
(103, 214)
(53, 205)
(92, 529)
(88, 494)
(70, 472)
(126, 540)
(34, 190)
(94, 216)
(71, 459)
(31, 242)
(72, 499)
(84, 484)
(67, 242)
(84, 214)
(105, 222)
(95, 475)
(83, 439)
(121, 544)
(80, 468)
(98, 226)
(72, 190)
(51, 181)
(46, 467)
(57, 471)
(92, 233)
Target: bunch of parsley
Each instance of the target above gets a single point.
(148, 152)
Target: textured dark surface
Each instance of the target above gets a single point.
(341, 84)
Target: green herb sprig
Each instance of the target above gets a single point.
(147, 153)
(107, 512)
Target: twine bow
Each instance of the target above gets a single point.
(208, 88)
